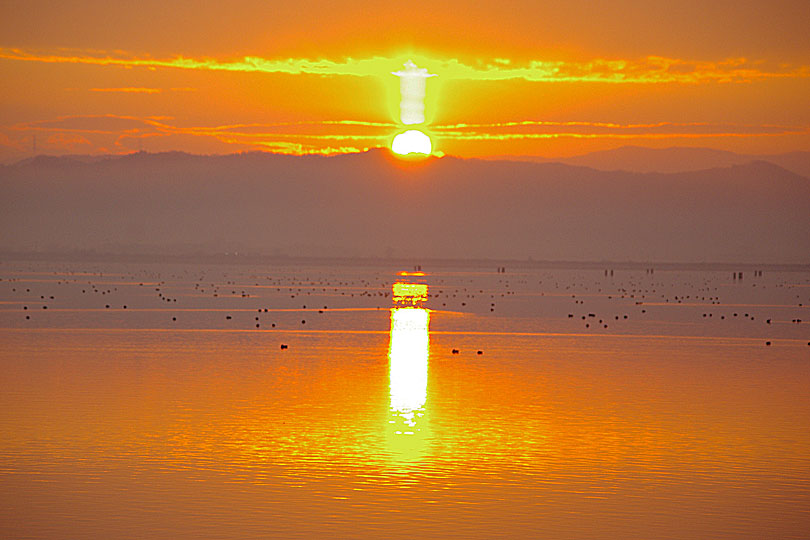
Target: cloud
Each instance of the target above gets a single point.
(107, 123)
(646, 70)
(124, 132)
(129, 90)
(531, 129)
(128, 133)
(71, 142)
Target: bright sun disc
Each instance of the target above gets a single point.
(412, 141)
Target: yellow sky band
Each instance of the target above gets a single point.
(648, 70)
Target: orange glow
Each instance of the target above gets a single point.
(746, 81)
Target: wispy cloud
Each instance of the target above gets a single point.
(646, 70)
(127, 133)
(129, 90)
(533, 129)
(306, 137)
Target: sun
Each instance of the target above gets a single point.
(412, 141)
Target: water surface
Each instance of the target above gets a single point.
(169, 419)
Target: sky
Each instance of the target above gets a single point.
(513, 78)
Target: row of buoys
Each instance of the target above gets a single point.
(501, 270)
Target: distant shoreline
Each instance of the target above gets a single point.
(404, 263)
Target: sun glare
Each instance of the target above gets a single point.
(412, 141)
(412, 111)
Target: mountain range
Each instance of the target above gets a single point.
(673, 159)
(372, 204)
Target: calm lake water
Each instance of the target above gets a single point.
(638, 405)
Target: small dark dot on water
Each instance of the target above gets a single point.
(480, 352)
(767, 343)
(303, 321)
(25, 307)
(257, 325)
(273, 325)
(44, 307)
(125, 306)
(174, 318)
(228, 317)
(29, 316)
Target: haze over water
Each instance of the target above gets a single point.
(633, 405)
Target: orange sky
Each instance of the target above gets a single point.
(514, 78)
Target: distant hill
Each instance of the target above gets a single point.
(676, 159)
(371, 204)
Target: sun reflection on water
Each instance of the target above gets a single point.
(408, 369)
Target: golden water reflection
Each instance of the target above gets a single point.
(408, 353)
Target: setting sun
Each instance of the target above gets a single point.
(412, 141)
